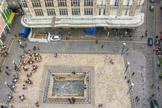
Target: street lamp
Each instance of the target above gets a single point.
(128, 63)
(9, 86)
(14, 63)
(124, 44)
(132, 84)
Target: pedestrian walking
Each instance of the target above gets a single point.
(160, 33)
(128, 81)
(99, 105)
(102, 46)
(96, 41)
(55, 55)
(16, 68)
(7, 73)
(8, 68)
(133, 74)
(146, 33)
(19, 34)
(126, 34)
(111, 61)
(137, 98)
(34, 48)
(121, 37)
(15, 35)
(130, 36)
(37, 104)
(108, 34)
(125, 77)
(69, 33)
(152, 95)
(142, 37)
(12, 106)
(2, 106)
(0, 69)
(38, 48)
(158, 87)
(73, 73)
(152, 85)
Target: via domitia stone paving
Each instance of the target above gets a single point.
(73, 81)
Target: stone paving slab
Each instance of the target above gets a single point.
(106, 76)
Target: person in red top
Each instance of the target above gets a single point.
(15, 35)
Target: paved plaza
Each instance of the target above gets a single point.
(80, 53)
(108, 86)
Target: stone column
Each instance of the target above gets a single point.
(81, 7)
(120, 7)
(69, 7)
(94, 7)
(56, 8)
(30, 7)
(133, 8)
(43, 7)
(107, 8)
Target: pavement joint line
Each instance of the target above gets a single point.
(75, 52)
(133, 105)
(128, 41)
(10, 44)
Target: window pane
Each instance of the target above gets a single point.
(38, 12)
(63, 11)
(88, 11)
(36, 3)
(75, 2)
(75, 11)
(88, 2)
(23, 4)
(49, 3)
(62, 3)
(51, 12)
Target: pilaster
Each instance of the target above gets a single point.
(94, 7)
(81, 7)
(56, 8)
(43, 7)
(30, 7)
(133, 8)
(69, 7)
(120, 7)
(107, 8)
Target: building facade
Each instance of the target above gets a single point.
(13, 3)
(6, 17)
(82, 13)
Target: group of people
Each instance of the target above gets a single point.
(22, 43)
(3, 51)
(157, 48)
(29, 57)
(72, 100)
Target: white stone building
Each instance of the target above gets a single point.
(82, 13)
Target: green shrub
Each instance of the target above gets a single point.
(160, 60)
(160, 75)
